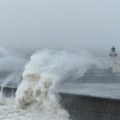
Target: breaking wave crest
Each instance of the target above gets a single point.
(44, 71)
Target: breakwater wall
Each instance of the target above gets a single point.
(83, 107)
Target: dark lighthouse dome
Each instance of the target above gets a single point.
(113, 49)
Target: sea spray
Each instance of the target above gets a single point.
(41, 74)
(11, 67)
(4, 100)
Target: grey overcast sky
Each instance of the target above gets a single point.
(60, 23)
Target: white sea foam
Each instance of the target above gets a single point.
(41, 74)
(36, 98)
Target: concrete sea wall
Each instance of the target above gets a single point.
(91, 108)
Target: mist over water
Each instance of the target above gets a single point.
(36, 97)
(11, 68)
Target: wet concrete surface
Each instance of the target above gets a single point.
(83, 107)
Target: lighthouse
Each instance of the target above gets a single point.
(113, 56)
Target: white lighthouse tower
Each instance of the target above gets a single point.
(113, 56)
